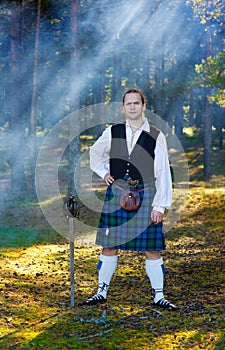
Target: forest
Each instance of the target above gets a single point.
(58, 57)
(64, 67)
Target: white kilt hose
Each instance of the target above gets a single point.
(129, 230)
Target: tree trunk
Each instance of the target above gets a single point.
(179, 118)
(17, 152)
(220, 136)
(159, 100)
(219, 123)
(220, 128)
(145, 74)
(33, 117)
(74, 145)
(207, 136)
(191, 119)
(116, 84)
(207, 117)
(157, 89)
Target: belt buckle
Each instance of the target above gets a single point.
(132, 183)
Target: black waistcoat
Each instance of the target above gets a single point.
(140, 163)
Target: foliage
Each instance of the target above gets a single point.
(209, 11)
(212, 75)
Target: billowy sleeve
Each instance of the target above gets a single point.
(163, 196)
(99, 153)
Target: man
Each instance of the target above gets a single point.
(132, 159)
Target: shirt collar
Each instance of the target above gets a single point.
(145, 126)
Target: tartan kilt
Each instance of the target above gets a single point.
(134, 230)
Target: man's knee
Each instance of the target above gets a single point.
(109, 251)
(153, 255)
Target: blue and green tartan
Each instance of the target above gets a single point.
(120, 229)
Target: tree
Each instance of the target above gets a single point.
(17, 153)
(74, 145)
(33, 117)
(211, 73)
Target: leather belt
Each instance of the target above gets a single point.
(135, 182)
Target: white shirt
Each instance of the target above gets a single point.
(99, 162)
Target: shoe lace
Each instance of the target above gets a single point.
(96, 297)
(102, 288)
(164, 302)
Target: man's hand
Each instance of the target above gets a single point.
(156, 217)
(108, 179)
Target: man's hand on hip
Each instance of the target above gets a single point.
(156, 217)
(108, 179)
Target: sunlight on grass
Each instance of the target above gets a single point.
(28, 335)
(34, 259)
(220, 190)
(35, 289)
(49, 201)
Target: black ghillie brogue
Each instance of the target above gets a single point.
(96, 299)
(166, 305)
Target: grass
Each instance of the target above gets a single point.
(35, 310)
(35, 288)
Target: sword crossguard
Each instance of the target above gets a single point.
(72, 207)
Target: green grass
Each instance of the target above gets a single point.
(35, 289)
(17, 237)
(35, 310)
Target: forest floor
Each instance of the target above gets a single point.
(35, 310)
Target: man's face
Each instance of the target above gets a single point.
(133, 107)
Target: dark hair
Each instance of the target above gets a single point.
(136, 91)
